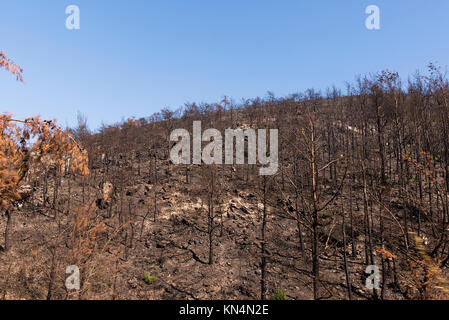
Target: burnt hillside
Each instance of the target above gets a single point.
(363, 180)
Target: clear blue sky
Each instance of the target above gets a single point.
(131, 58)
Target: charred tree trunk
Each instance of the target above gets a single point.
(8, 229)
(263, 243)
(345, 259)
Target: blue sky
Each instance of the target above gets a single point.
(131, 58)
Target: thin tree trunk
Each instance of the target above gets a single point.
(348, 279)
(263, 253)
(8, 229)
(315, 217)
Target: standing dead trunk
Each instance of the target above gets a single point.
(263, 263)
(8, 229)
(69, 191)
(52, 273)
(298, 214)
(55, 195)
(353, 242)
(315, 216)
(348, 279)
(210, 227)
(155, 205)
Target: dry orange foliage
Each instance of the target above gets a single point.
(427, 165)
(10, 66)
(385, 253)
(25, 144)
(93, 251)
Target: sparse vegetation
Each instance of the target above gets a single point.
(150, 279)
(279, 294)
